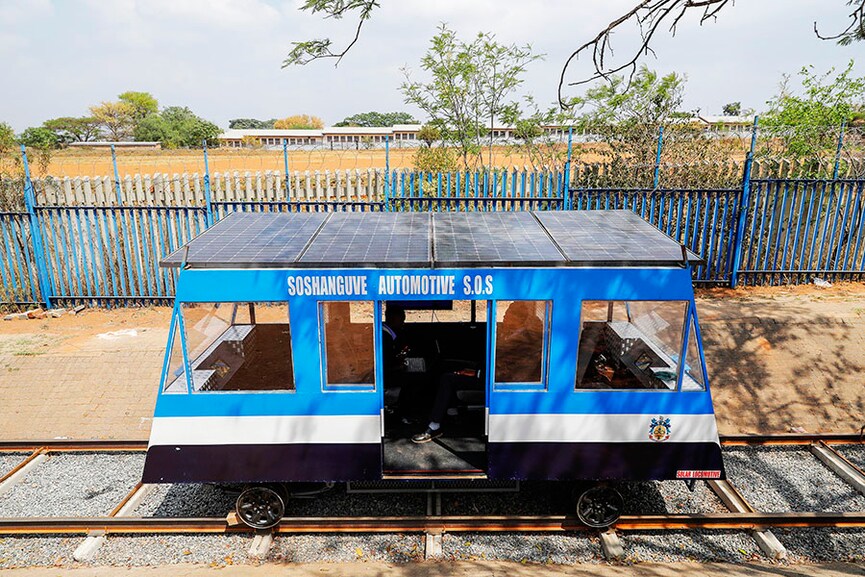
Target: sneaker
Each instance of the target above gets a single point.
(427, 436)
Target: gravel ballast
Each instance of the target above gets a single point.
(35, 551)
(74, 485)
(788, 479)
(186, 500)
(341, 548)
(678, 546)
(854, 453)
(581, 547)
(823, 544)
(146, 550)
(9, 461)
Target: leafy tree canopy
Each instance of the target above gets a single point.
(39, 137)
(250, 123)
(369, 119)
(807, 119)
(116, 119)
(175, 127)
(8, 142)
(469, 87)
(299, 121)
(141, 104)
(73, 129)
(732, 109)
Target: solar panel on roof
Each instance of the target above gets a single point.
(399, 240)
(494, 238)
(610, 237)
(376, 239)
(250, 239)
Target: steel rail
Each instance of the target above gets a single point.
(427, 524)
(73, 445)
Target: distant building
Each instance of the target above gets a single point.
(122, 144)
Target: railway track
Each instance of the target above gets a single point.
(741, 516)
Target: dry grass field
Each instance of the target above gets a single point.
(97, 162)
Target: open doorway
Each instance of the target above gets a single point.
(434, 360)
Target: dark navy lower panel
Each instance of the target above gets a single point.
(596, 461)
(260, 463)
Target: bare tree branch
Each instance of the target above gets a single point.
(648, 16)
(309, 50)
(856, 29)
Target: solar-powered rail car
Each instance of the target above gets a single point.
(581, 325)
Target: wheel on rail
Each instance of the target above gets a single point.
(260, 507)
(600, 506)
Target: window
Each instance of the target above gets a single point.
(348, 347)
(522, 329)
(174, 380)
(630, 344)
(238, 347)
(693, 379)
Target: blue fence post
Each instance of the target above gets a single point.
(285, 162)
(567, 190)
(208, 218)
(36, 233)
(744, 201)
(657, 176)
(117, 189)
(387, 173)
(838, 151)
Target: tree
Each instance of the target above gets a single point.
(369, 119)
(732, 109)
(7, 139)
(645, 16)
(299, 121)
(116, 118)
(806, 123)
(73, 129)
(428, 134)
(141, 104)
(469, 86)
(175, 127)
(39, 137)
(250, 124)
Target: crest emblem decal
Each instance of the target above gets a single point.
(659, 429)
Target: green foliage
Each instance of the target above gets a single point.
(438, 159)
(175, 127)
(73, 129)
(142, 104)
(250, 124)
(806, 124)
(428, 134)
(299, 122)
(732, 109)
(469, 87)
(8, 142)
(39, 137)
(541, 147)
(372, 119)
(306, 51)
(115, 118)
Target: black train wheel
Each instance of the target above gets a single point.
(260, 507)
(600, 506)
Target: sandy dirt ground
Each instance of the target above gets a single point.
(780, 359)
(458, 569)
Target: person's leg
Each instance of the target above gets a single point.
(447, 386)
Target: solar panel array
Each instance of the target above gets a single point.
(421, 240)
(498, 238)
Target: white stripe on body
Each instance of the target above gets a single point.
(265, 430)
(575, 428)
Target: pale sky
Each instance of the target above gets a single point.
(222, 58)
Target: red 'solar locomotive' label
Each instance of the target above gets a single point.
(698, 474)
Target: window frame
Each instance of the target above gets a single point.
(322, 347)
(679, 369)
(541, 386)
(190, 389)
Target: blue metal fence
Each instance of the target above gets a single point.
(768, 231)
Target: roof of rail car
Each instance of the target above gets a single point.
(598, 238)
